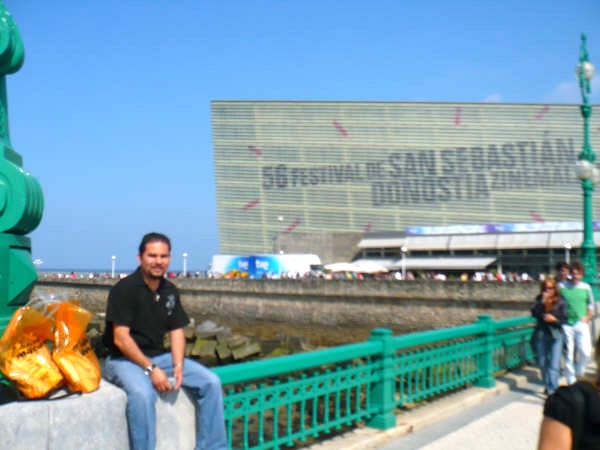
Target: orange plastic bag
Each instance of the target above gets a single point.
(24, 355)
(72, 351)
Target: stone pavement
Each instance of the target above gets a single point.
(505, 416)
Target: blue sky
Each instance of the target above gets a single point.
(111, 110)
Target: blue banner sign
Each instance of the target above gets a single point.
(500, 228)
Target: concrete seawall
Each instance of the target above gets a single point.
(400, 306)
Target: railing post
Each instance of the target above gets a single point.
(382, 391)
(487, 375)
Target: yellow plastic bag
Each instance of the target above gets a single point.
(72, 351)
(24, 355)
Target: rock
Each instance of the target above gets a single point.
(196, 346)
(208, 329)
(224, 334)
(96, 324)
(244, 351)
(297, 344)
(280, 351)
(203, 348)
(270, 345)
(223, 352)
(207, 325)
(93, 333)
(236, 341)
(190, 330)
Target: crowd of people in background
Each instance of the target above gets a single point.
(410, 276)
(391, 275)
(396, 275)
(107, 275)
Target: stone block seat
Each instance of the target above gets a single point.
(93, 421)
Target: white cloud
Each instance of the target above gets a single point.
(568, 92)
(493, 98)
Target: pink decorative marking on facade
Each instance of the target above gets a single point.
(251, 204)
(293, 226)
(340, 128)
(535, 216)
(255, 150)
(457, 114)
(543, 111)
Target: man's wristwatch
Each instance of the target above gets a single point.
(148, 370)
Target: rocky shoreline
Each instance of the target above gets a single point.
(214, 345)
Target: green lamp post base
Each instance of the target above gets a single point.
(18, 277)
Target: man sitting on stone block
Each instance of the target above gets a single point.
(141, 309)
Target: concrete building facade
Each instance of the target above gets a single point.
(289, 170)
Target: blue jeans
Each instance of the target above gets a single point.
(549, 351)
(204, 385)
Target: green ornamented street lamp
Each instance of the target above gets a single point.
(21, 198)
(586, 171)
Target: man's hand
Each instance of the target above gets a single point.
(125, 343)
(178, 374)
(159, 380)
(178, 353)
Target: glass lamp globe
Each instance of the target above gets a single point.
(595, 176)
(588, 70)
(583, 169)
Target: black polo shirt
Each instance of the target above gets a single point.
(149, 315)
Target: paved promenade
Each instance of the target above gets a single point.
(505, 416)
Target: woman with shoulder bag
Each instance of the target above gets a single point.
(550, 310)
(572, 415)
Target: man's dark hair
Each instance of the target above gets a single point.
(562, 265)
(153, 237)
(578, 266)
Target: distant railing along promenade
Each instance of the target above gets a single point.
(291, 400)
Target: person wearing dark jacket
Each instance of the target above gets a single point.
(550, 310)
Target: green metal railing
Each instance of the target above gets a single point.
(291, 400)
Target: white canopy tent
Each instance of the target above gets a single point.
(370, 267)
(433, 263)
(340, 267)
